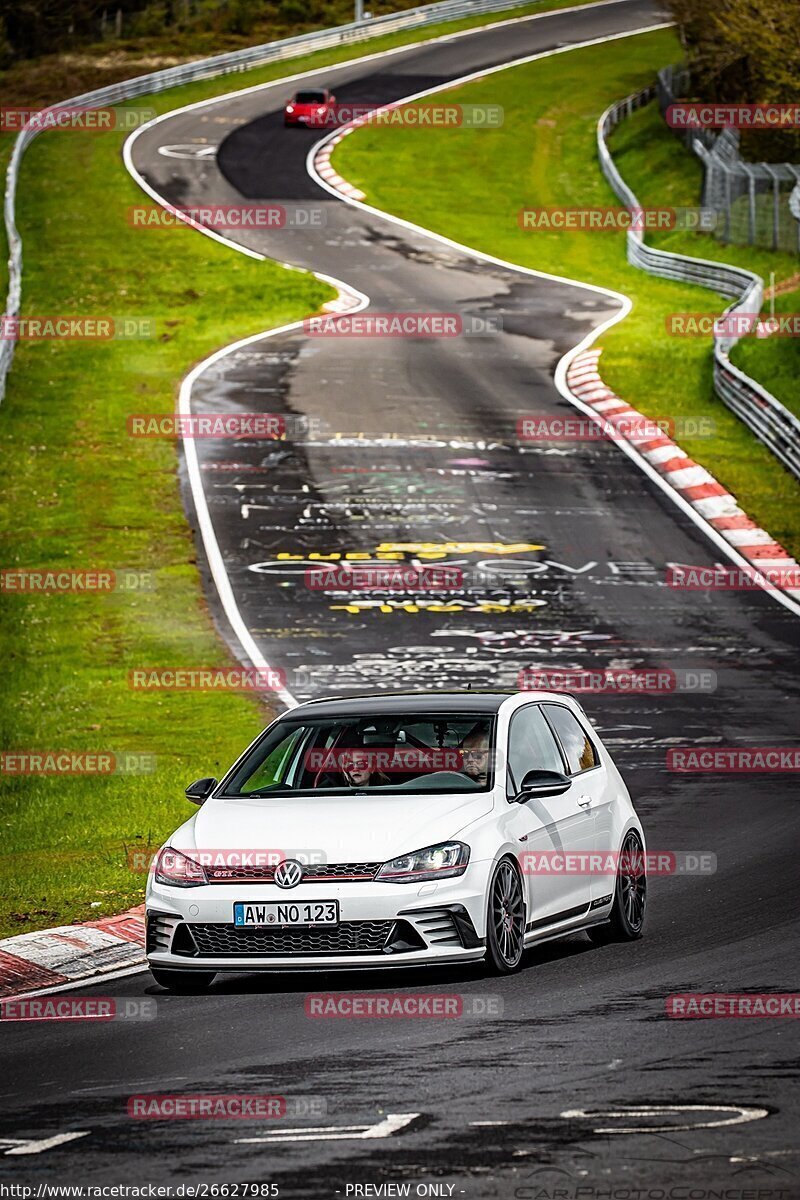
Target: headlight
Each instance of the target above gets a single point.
(434, 862)
(177, 870)
(290, 108)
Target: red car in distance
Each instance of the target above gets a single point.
(312, 107)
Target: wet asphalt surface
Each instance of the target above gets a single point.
(565, 548)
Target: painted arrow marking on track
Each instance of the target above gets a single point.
(190, 150)
(740, 1116)
(391, 1123)
(34, 1146)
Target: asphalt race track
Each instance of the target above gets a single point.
(413, 450)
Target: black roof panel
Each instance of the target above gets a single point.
(401, 702)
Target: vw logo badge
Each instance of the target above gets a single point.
(288, 873)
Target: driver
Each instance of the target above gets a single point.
(475, 755)
(357, 770)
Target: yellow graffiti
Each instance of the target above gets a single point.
(336, 556)
(360, 606)
(443, 549)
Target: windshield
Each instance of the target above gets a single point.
(429, 752)
(310, 98)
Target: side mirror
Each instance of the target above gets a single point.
(542, 783)
(200, 790)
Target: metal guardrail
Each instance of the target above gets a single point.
(769, 420)
(209, 68)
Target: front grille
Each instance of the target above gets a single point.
(230, 941)
(313, 873)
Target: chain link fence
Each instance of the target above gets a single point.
(752, 201)
(769, 420)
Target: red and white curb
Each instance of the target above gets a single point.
(50, 957)
(693, 482)
(322, 164)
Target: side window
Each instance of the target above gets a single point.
(272, 770)
(580, 752)
(531, 745)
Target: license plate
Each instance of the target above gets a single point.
(315, 912)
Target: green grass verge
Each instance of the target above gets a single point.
(78, 493)
(471, 187)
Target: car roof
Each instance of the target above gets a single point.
(451, 703)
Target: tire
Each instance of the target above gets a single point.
(505, 920)
(182, 981)
(630, 897)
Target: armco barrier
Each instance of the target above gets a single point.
(208, 68)
(769, 420)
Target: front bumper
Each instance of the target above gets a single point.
(381, 925)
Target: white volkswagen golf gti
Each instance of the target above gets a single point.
(400, 830)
